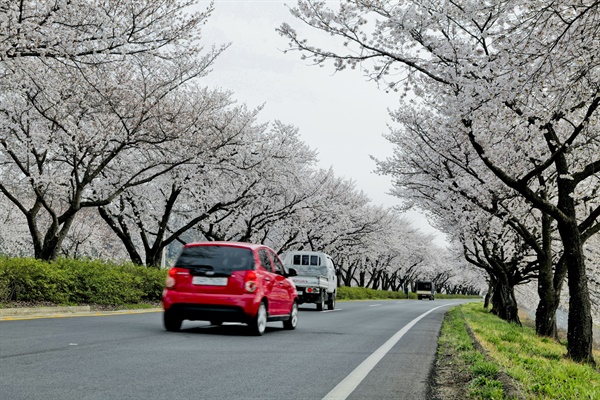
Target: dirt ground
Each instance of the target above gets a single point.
(451, 377)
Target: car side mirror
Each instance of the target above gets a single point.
(292, 272)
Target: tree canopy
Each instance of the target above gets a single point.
(509, 88)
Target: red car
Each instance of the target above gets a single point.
(229, 282)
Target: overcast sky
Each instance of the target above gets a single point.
(340, 115)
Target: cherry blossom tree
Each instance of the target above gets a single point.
(74, 30)
(85, 91)
(435, 170)
(495, 248)
(14, 236)
(150, 217)
(282, 186)
(503, 75)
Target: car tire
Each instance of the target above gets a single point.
(172, 321)
(259, 322)
(331, 303)
(321, 303)
(291, 323)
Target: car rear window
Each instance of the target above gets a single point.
(216, 258)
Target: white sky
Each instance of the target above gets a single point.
(340, 115)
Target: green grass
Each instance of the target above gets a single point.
(537, 365)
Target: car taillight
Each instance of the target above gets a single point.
(174, 273)
(250, 284)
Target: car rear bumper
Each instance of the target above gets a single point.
(207, 307)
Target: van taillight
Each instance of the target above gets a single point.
(250, 284)
(173, 275)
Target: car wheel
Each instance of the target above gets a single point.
(321, 303)
(259, 323)
(293, 320)
(331, 304)
(172, 321)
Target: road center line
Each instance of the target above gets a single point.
(351, 382)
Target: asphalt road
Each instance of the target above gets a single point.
(361, 350)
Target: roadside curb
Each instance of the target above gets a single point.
(12, 312)
(7, 314)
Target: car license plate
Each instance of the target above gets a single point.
(203, 280)
(300, 292)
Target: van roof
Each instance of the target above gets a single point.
(306, 252)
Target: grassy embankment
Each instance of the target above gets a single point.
(537, 366)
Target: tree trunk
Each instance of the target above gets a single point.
(488, 295)
(545, 316)
(579, 332)
(549, 283)
(361, 278)
(123, 234)
(54, 238)
(154, 256)
(347, 277)
(504, 303)
(549, 288)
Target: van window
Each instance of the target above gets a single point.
(306, 259)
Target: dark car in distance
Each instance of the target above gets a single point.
(425, 290)
(229, 282)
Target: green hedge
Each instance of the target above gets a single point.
(68, 281)
(360, 293)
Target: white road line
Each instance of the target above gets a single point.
(374, 305)
(351, 382)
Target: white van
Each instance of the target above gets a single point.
(316, 281)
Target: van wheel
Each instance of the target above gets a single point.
(321, 303)
(331, 303)
(259, 323)
(291, 323)
(172, 321)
